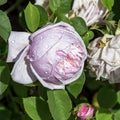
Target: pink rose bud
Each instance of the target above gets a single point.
(91, 11)
(85, 112)
(55, 55)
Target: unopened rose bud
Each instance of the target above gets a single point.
(85, 112)
(104, 58)
(55, 55)
(91, 11)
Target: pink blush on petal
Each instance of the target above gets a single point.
(70, 63)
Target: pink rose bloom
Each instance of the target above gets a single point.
(91, 11)
(54, 55)
(85, 112)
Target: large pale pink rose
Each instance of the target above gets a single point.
(54, 55)
(104, 58)
(91, 11)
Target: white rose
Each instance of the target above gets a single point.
(91, 11)
(104, 57)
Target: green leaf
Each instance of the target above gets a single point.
(22, 20)
(118, 97)
(114, 13)
(4, 76)
(103, 114)
(72, 117)
(5, 114)
(110, 27)
(76, 87)
(3, 48)
(79, 24)
(107, 97)
(60, 6)
(108, 3)
(20, 90)
(62, 17)
(5, 27)
(25, 117)
(87, 37)
(36, 108)
(42, 91)
(43, 16)
(92, 83)
(2, 2)
(32, 17)
(117, 115)
(59, 104)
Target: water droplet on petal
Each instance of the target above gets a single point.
(46, 72)
(47, 46)
(34, 51)
(12, 41)
(41, 37)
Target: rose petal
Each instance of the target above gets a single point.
(61, 25)
(43, 3)
(91, 11)
(75, 76)
(17, 42)
(113, 42)
(111, 56)
(47, 84)
(21, 72)
(39, 2)
(115, 76)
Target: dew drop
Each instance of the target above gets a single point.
(47, 46)
(34, 51)
(12, 41)
(41, 37)
(46, 72)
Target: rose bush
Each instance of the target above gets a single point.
(104, 57)
(91, 11)
(54, 55)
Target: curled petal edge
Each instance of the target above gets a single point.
(21, 72)
(46, 84)
(17, 42)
